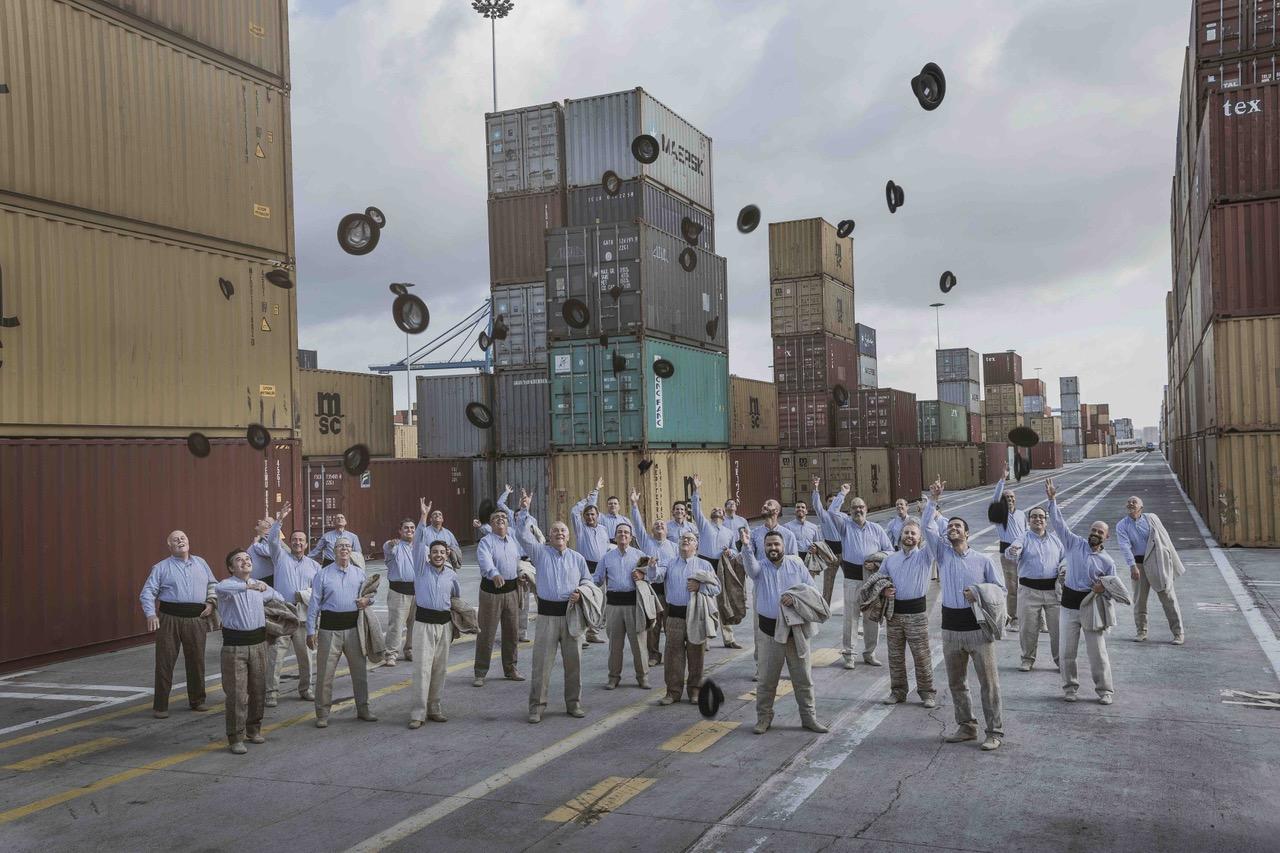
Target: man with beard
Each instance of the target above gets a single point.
(805, 531)
(894, 527)
(909, 568)
(772, 512)
(859, 539)
(662, 551)
(324, 547)
(1037, 555)
(714, 538)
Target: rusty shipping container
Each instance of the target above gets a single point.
(639, 200)
(130, 127)
(1221, 28)
(995, 456)
(818, 304)
(1242, 276)
(125, 497)
(338, 409)
(754, 477)
(906, 473)
(1046, 456)
(252, 32)
(1225, 75)
(1001, 368)
(805, 419)
(807, 248)
(525, 149)
(1238, 151)
(878, 418)
(958, 465)
(1243, 493)
(375, 503)
(814, 362)
(975, 428)
(1230, 364)
(120, 308)
(1033, 388)
(518, 226)
(753, 404)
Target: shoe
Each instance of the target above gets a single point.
(322, 722)
(238, 748)
(894, 700)
(931, 702)
(654, 660)
(535, 717)
(1179, 640)
(389, 660)
(201, 708)
(523, 639)
(408, 655)
(437, 717)
(961, 734)
(257, 738)
(367, 716)
(872, 660)
(668, 700)
(478, 681)
(513, 676)
(762, 724)
(1025, 666)
(848, 662)
(1140, 637)
(613, 683)
(271, 702)
(814, 726)
(596, 639)
(643, 683)
(577, 711)
(1105, 699)
(1068, 697)
(991, 743)
(734, 645)
(693, 696)
(160, 715)
(306, 696)
(415, 724)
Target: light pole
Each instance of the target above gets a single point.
(493, 10)
(937, 316)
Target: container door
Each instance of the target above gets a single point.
(621, 394)
(572, 406)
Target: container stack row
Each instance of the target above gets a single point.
(1002, 384)
(1072, 433)
(959, 376)
(1221, 425)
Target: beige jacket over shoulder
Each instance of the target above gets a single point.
(1162, 565)
(801, 618)
(1098, 612)
(587, 611)
(703, 617)
(372, 633)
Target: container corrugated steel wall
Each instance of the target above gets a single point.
(805, 419)
(840, 465)
(592, 405)
(254, 32)
(443, 429)
(639, 200)
(905, 473)
(975, 428)
(125, 497)
(1033, 388)
(525, 149)
(1238, 154)
(1004, 399)
(1214, 77)
(483, 485)
(786, 477)
(518, 226)
(817, 304)
(1241, 374)
(1049, 429)
(1046, 456)
(966, 393)
(1244, 489)
(524, 309)
(631, 280)
(868, 372)
(522, 400)
(406, 441)
(942, 422)
(1072, 453)
(1069, 386)
(959, 465)
(531, 473)
(1001, 368)
(754, 477)
(866, 337)
(998, 426)
(599, 131)
(958, 365)
(874, 478)
(753, 404)
(337, 410)
(112, 304)
(1222, 28)
(132, 127)
(877, 418)
(1245, 277)
(809, 247)
(995, 456)
(814, 362)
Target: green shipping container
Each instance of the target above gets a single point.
(942, 423)
(596, 402)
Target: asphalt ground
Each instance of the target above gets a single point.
(1169, 766)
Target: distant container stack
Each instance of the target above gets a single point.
(1072, 426)
(960, 383)
(1002, 383)
(868, 370)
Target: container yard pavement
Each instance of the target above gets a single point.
(1169, 766)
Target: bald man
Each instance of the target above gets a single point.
(176, 597)
(1134, 534)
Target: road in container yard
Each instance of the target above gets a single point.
(1169, 766)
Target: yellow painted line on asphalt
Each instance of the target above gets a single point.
(784, 687)
(699, 736)
(603, 797)
(825, 657)
(66, 754)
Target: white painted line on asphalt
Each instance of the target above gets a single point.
(65, 697)
(19, 674)
(75, 713)
(114, 688)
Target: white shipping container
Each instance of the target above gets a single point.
(525, 149)
(523, 308)
(868, 376)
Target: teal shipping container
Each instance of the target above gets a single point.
(598, 400)
(942, 423)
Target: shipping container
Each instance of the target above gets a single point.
(1049, 429)
(1004, 399)
(443, 429)
(1238, 151)
(1221, 76)
(753, 406)
(525, 149)
(959, 365)
(997, 427)
(530, 473)
(818, 304)
(406, 437)
(1070, 435)
(1240, 474)
(1244, 276)
(337, 410)
(124, 498)
(975, 428)
(905, 473)
(518, 226)
(639, 200)
(786, 476)
(1046, 456)
(522, 411)
(599, 131)
(1001, 368)
(124, 335)
(1221, 28)
(1033, 387)
(632, 283)
(961, 392)
(670, 479)
(308, 359)
(1072, 454)
(874, 478)
(127, 125)
(840, 465)
(866, 337)
(957, 465)
(597, 400)
(868, 373)
(814, 362)
(944, 423)
(523, 307)
(996, 457)
(878, 418)
(1032, 404)
(1231, 364)
(376, 501)
(483, 485)
(805, 419)
(1069, 385)
(1094, 451)
(806, 248)
(754, 477)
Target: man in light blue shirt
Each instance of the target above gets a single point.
(910, 568)
(1037, 556)
(259, 551)
(610, 519)
(893, 528)
(860, 539)
(680, 578)
(435, 586)
(592, 539)
(805, 531)
(679, 523)
(715, 537)
(733, 520)
(403, 557)
(332, 630)
(618, 572)
(324, 550)
(1011, 532)
(176, 596)
(663, 551)
(244, 649)
(522, 593)
(1134, 534)
(292, 573)
(499, 555)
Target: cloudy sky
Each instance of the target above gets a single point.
(1042, 181)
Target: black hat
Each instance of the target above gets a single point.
(664, 369)
(500, 328)
(575, 313)
(947, 281)
(487, 508)
(1023, 437)
(198, 445)
(690, 231)
(619, 362)
(280, 279)
(604, 339)
(894, 195)
(689, 259)
(1021, 466)
(257, 436)
(358, 234)
(484, 340)
(611, 182)
(615, 292)
(645, 148)
(930, 86)
(355, 459)
(379, 218)
(748, 218)
(845, 228)
(841, 395)
(710, 698)
(410, 314)
(400, 288)
(226, 287)
(998, 512)
(645, 465)
(712, 325)
(479, 415)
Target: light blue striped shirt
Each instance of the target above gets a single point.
(334, 589)
(259, 552)
(805, 532)
(712, 538)
(324, 545)
(678, 573)
(403, 558)
(560, 573)
(1133, 536)
(177, 582)
(592, 542)
(499, 557)
(664, 551)
(769, 580)
(1040, 556)
(1016, 527)
(910, 572)
(857, 542)
(241, 608)
(958, 572)
(291, 574)
(434, 590)
(762, 530)
(616, 568)
(1084, 565)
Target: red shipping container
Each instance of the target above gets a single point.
(975, 428)
(1226, 75)
(1243, 277)
(879, 417)
(995, 456)
(804, 420)
(754, 477)
(1034, 387)
(1222, 28)
(1001, 368)
(123, 497)
(906, 473)
(518, 235)
(1046, 456)
(1238, 152)
(814, 362)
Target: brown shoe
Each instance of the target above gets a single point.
(238, 748)
(160, 715)
(763, 723)
(415, 724)
(437, 717)
(668, 700)
(201, 708)
(513, 676)
(962, 734)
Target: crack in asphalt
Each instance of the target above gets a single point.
(897, 792)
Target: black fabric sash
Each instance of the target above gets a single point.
(432, 617)
(487, 585)
(1044, 584)
(1071, 598)
(958, 619)
(767, 625)
(232, 637)
(852, 571)
(620, 599)
(177, 608)
(908, 606)
(552, 608)
(677, 611)
(338, 620)
(837, 548)
(402, 587)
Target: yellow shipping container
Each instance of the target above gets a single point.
(1049, 429)
(337, 410)
(787, 461)
(122, 335)
(958, 465)
(1004, 400)
(753, 412)
(1240, 474)
(865, 469)
(1234, 357)
(1095, 451)
(997, 427)
(818, 304)
(406, 437)
(809, 247)
(872, 482)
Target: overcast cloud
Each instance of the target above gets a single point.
(1042, 181)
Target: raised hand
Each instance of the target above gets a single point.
(845, 488)
(284, 511)
(697, 483)
(817, 481)
(635, 497)
(1050, 490)
(599, 483)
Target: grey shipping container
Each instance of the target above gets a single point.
(443, 429)
(599, 131)
(866, 340)
(523, 308)
(639, 200)
(1072, 453)
(522, 411)
(1071, 435)
(962, 393)
(942, 422)
(308, 359)
(531, 473)
(959, 365)
(1071, 419)
(868, 374)
(632, 283)
(1069, 385)
(525, 149)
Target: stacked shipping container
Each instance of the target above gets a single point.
(1002, 381)
(1072, 427)
(960, 383)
